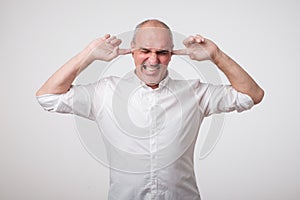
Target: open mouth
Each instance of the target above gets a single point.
(151, 69)
(151, 74)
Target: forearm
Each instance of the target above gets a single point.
(60, 82)
(238, 77)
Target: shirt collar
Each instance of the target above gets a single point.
(161, 85)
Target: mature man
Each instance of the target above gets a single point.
(148, 120)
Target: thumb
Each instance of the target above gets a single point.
(124, 51)
(180, 52)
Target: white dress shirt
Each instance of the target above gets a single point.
(149, 134)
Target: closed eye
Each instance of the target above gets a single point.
(163, 52)
(144, 50)
(160, 52)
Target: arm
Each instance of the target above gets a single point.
(238, 77)
(200, 49)
(106, 49)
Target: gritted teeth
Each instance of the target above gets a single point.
(151, 67)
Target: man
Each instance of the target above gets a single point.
(149, 121)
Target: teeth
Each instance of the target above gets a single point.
(152, 68)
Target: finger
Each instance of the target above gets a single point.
(124, 51)
(134, 49)
(106, 36)
(116, 42)
(189, 40)
(199, 38)
(103, 38)
(180, 52)
(108, 40)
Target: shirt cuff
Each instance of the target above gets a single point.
(244, 102)
(49, 101)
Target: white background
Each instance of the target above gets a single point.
(41, 156)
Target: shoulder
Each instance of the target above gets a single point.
(190, 83)
(109, 81)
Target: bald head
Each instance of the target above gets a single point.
(152, 24)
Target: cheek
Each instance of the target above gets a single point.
(165, 60)
(139, 59)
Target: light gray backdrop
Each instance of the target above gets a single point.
(41, 156)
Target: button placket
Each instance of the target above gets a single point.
(153, 146)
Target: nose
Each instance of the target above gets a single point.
(153, 60)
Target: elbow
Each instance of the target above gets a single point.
(46, 90)
(49, 102)
(258, 97)
(39, 93)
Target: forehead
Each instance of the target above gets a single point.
(153, 37)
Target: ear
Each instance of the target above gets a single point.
(132, 47)
(172, 51)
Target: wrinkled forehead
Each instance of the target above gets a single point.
(153, 37)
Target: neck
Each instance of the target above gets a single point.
(153, 86)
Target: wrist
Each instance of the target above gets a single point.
(88, 54)
(217, 56)
(82, 60)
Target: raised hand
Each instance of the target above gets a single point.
(106, 48)
(198, 48)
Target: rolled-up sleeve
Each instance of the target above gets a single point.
(221, 98)
(79, 100)
(49, 101)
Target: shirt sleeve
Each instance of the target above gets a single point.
(221, 98)
(79, 100)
